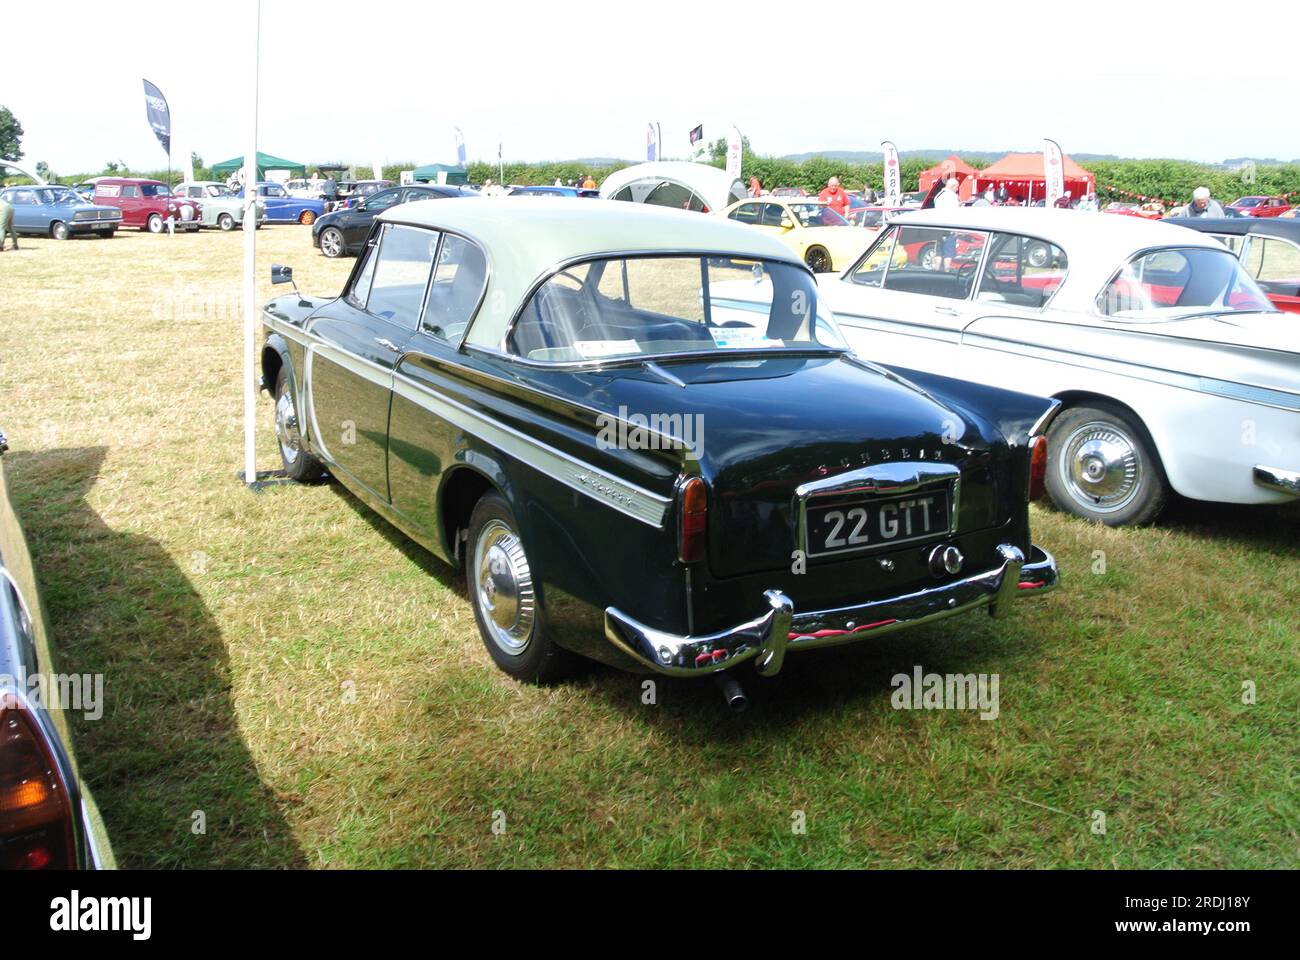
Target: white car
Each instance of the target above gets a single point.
(306, 189)
(220, 207)
(1174, 371)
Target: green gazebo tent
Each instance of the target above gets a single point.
(265, 162)
(430, 173)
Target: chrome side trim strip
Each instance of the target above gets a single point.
(1275, 478)
(627, 498)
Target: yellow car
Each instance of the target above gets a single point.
(822, 238)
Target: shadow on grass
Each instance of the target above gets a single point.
(168, 743)
(1273, 528)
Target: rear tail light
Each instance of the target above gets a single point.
(1037, 467)
(35, 810)
(693, 503)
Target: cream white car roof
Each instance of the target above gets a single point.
(526, 238)
(1095, 244)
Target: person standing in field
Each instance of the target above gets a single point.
(1203, 205)
(7, 224)
(947, 197)
(835, 196)
(589, 183)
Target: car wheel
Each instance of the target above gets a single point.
(59, 230)
(1103, 467)
(298, 464)
(503, 591)
(331, 242)
(155, 224)
(818, 260)
(1038, 255)
(226, 222)
(307, 218)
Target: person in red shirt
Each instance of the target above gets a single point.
(835, 196)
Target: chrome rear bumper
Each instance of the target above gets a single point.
(766, 638)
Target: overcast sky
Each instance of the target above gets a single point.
(342, 80)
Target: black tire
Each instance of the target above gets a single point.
(59, 230)
(818, 260)
(298, 464)
(503, 592)
(1102, 466)
(226, 222)
(332, 243)
(154, 223)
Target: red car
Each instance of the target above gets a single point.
(1260, 206)
(147, 204)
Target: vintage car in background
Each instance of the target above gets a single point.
(1260, 206)
(147, 204)
(1269, 249)
(305, 189)
(352, 192)
(282, 208)
(569, 400)
(675, 183)
(1175, 371)
(818, 235)
(343, 232)
(48, 818)
(220, 207)
(1150, 210)
(552, 191)
(874, 216)
(49, 210)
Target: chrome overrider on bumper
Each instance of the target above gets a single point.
(766, 638)
(1275, 478)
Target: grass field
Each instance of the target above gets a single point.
(291, 667)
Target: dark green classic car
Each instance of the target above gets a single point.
(643, 438)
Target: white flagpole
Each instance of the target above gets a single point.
(250, 264)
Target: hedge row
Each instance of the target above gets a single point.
(1167, 180)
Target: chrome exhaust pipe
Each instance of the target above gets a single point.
(732, 692)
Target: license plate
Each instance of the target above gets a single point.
(841, 525)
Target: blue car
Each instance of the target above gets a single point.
(282, 208)
(50, 210)
(551, 191)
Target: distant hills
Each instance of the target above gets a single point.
(875, 156)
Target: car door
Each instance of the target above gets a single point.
(358, 341)
(357, 222)
(27, 212)
(911, 292)
(421, 443)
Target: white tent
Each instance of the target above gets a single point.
(675, 183)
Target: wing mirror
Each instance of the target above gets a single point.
(281, 274)
(361, 203)
(787, 223)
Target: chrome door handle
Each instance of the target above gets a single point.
(948, 311)
(388, 344)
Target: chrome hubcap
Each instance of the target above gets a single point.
(504, 585)
(286, 428)
(1100, 465)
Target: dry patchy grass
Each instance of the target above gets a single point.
(288, 664)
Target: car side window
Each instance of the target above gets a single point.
(401, 273)
(773, 214)
(382, 201)
(131, 191)
(871, 271)
(457, 287)
(938, 261)
(1271, 259)
(1024, 271)
(747, 213)
(360, 291)
(24, 197)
